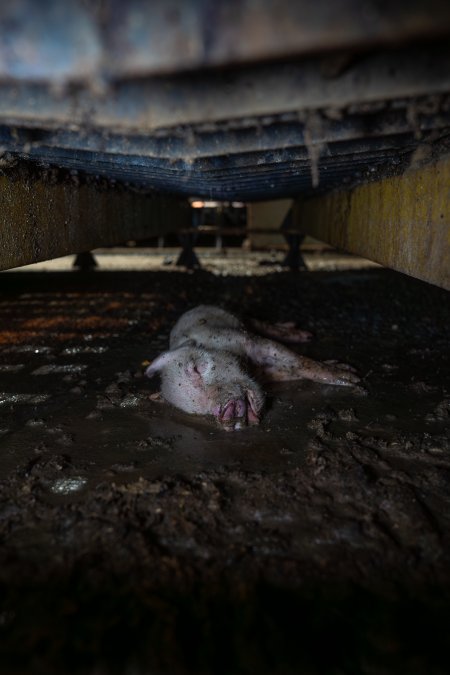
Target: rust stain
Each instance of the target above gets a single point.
(80, 323)
(45, 322)
(11, 337)
(111, 306)
(100, 322)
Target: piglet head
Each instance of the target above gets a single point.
(209, 382)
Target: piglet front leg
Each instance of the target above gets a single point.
(278, 363)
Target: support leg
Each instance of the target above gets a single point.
(294, 259)
(85, 261)
(188, 257)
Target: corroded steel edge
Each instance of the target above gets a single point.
(402, 222)
(40, 220)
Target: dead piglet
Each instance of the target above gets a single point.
(205, 370)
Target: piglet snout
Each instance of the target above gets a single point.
(236, 414)
(234, 409)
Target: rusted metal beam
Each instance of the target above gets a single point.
(79, 41)
(402, 222)
(40, 220)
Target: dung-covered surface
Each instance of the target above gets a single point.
(137, 539)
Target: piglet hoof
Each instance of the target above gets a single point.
(157, 396)
(343, 377)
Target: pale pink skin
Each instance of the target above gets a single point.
(205, 370)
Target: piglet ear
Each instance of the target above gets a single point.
(165, 358)
(159, 363)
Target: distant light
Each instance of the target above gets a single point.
(198, 204)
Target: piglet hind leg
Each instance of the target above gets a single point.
(284, 332)
(277, 363)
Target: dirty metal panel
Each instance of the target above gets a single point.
(402, 222)
(264, 132)
(91, 41)
(363, 122)
(43, 219)
(151, 104)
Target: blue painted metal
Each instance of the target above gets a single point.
(268, 159)
(47, 40)
(144, 106)
(248, 176)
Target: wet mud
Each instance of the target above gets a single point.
(138, 539)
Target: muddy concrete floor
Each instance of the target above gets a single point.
(137, 539)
